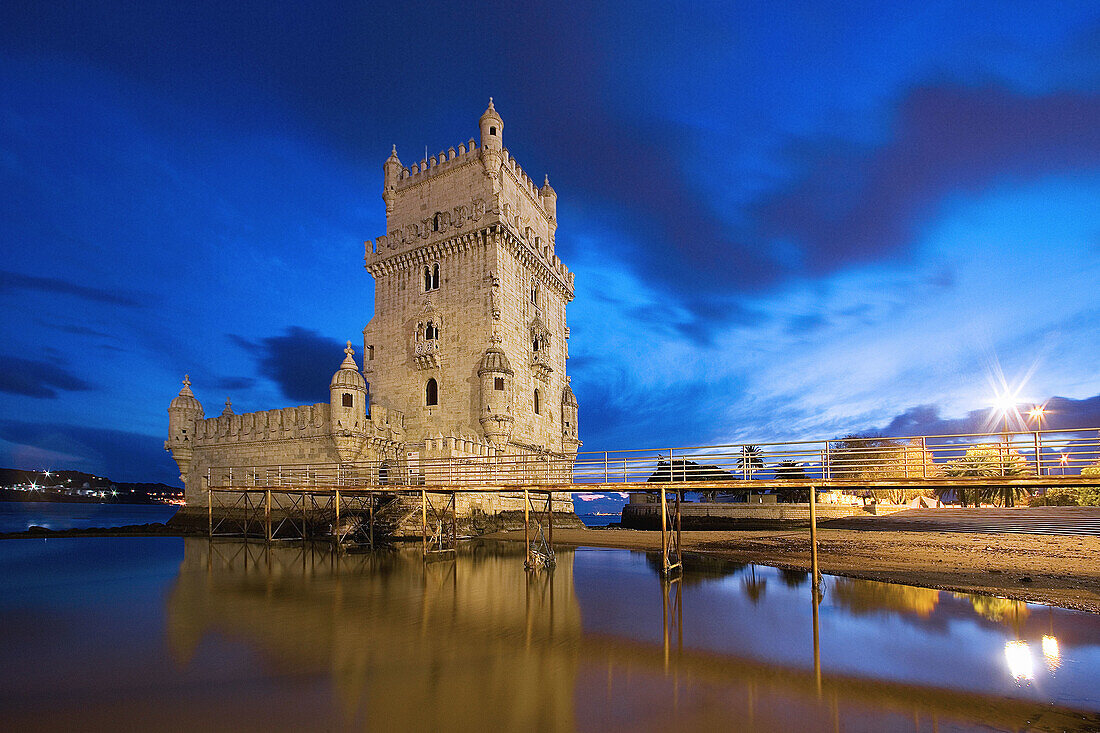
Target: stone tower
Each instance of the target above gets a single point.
(469, 335)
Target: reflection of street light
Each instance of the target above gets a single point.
(1018, 657)
(1063, 460)
(1051, 652)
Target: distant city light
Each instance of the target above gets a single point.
(1018, 657)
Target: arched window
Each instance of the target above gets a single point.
(427, 279)
(435, 277)
(535, 343)
(430, 331)
(534, 293)
(347, 400)
(536, 402)
(383, 474)
(431, 393)
(435, 223)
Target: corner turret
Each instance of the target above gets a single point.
(183, 411)
(391, 173)
(492, 129)
(348, 408)
(496, 376)
(569, 409)
(549, 201)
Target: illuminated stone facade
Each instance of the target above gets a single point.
(466, 353)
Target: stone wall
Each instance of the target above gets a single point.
(648, 516)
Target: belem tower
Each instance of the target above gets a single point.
(466, 353)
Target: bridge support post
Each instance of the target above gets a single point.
(814, 574)
(670, 537)
(267, 515)
(539, 538)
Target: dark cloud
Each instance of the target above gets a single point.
(301, 362)
(856, 204)
(1063, 413)
(10, 281)
(116, 454)
(37, 378)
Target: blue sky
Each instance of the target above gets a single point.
(787, 220)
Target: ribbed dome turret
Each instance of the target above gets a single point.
(495, 361)
(348, 376)
(186, 398)
(490, 113)
(547, 189)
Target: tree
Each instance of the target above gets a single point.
(987, 461)
(750, 460)
(874, 458)
(791, 471)
(681, 469)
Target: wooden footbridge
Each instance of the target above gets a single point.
(347, 503)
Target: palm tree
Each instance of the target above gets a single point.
(750, 460)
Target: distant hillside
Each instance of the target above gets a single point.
(63, 485)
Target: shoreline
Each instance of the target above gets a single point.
(1058, 570)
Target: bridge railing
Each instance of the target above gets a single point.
(915, 459)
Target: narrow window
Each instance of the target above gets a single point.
(498, 384)
(435, 277)
(535, 293)
(435, 223)
(347, 400)
(430, 331)
(383, 473)
(427, 279)
(431, 393)
(370, 353)
(492, 131)
(536, 402)
(535, 344)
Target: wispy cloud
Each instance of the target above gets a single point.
(11, 281)
(34, 378)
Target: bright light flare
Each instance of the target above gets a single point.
(1018, 657)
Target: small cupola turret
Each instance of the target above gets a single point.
(492, 129)
(183, 412)
(348, 407)
(496, 375)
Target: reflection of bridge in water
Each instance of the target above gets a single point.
(475, 643)
(345, 502)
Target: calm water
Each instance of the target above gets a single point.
(599, 520)
(17, 516)
(172, 633)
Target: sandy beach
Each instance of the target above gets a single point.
(1055, 569)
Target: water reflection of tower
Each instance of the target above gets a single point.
(457, 644)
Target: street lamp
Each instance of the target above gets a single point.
(1037, 414)
(1063, 459)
